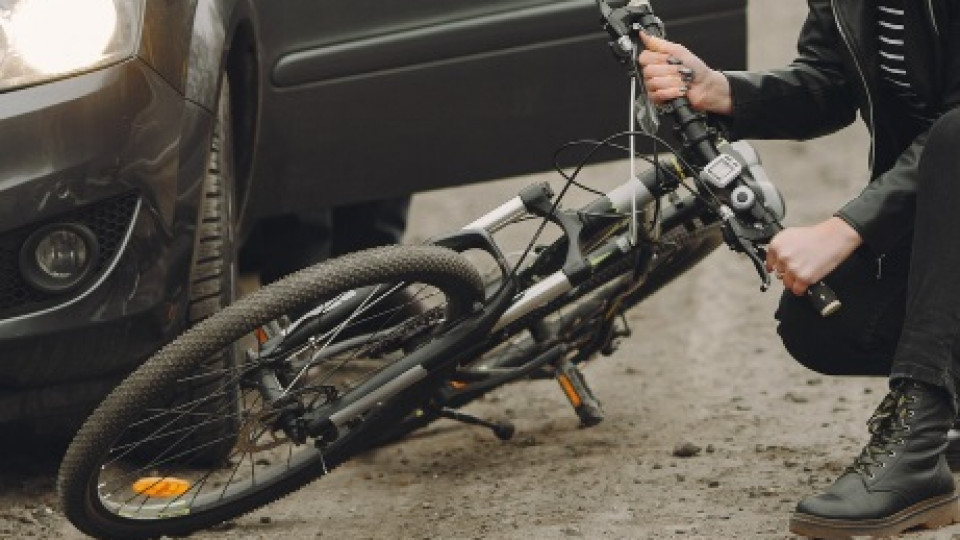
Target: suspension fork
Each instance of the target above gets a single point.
(462, 340)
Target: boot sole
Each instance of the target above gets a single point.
(931, 514)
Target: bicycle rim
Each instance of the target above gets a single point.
(131, 472)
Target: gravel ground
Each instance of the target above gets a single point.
(712, 432)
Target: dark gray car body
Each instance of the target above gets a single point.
(333, 101)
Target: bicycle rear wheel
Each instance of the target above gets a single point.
(131, 471)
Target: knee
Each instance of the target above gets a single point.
(813, 341)
(798, 340)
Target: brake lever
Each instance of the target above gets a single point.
(746, 241)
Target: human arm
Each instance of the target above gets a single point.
(880, 218)
(801, 256)
(810, 97)
(884, 211)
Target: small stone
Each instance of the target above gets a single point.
(685, 450)
(713, 483)
(795, 398)
(27, 519)
(266, 520)
(711, 449)
(225, 526)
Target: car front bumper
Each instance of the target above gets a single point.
(123, 153)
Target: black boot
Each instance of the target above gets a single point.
(899, 481)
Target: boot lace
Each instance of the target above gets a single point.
(887, 427)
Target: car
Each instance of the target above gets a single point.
(143, 139)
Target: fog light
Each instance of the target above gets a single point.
(58, 257)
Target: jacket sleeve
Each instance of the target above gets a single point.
(809, 98)
(884, 211)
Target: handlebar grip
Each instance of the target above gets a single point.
(823, 298)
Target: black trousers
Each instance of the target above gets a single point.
(901, 314)
(280, 245)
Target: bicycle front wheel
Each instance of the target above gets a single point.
(133, 469)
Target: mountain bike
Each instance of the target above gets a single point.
(361, 350)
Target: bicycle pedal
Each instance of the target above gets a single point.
(574, 386)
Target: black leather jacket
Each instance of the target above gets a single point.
(834, 76)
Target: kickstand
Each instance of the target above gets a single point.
(503, 430)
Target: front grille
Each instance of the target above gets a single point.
(108, 219)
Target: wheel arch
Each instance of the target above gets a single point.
(242, 66)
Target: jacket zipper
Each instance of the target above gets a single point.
(863, 79)
(866, 90)
(933, 18)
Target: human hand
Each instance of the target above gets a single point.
(801, 256)
(671, 71)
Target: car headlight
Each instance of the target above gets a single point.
(47, 39)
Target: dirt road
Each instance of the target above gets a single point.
(704, 368)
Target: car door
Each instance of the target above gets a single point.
(367, 99)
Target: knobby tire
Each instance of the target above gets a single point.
(78, 478)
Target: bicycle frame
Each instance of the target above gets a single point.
(511, 303)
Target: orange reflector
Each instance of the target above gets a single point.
(569, 390)
(162, 487)
(261, 335)
(458, 385)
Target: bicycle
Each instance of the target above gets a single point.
(361, 350)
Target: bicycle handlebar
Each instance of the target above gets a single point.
(624, 24)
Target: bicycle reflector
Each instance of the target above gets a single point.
(161, 487)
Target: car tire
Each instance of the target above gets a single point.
(213, 286)
(213, 267)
